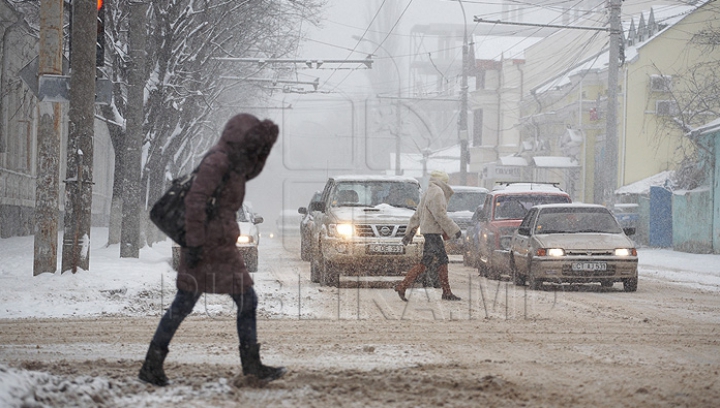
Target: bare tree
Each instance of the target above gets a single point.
(185, 82)
(696, 101)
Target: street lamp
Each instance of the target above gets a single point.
(398, 119)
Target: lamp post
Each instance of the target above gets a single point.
(398, 119)
(463, 119)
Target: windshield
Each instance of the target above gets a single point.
(514, 207)
(575, 220)
(465, 201)
(242, 215)
(372, 193)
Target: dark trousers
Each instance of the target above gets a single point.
(434, 256)
(183, 305)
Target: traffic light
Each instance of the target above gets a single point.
(100, 44)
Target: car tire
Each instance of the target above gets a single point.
(482, 268)
(330, 275)
(315, 271)
(316, 267)
(630, 285)
(251, 260)
(533, 283)
(490, 270)
(518, 279)
(466, 259)
(305, 253)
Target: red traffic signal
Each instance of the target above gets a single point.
(100, 43)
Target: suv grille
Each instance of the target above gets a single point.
(372, 230)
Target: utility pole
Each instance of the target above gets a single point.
(81, 116)
(462, 118)
(608, 179)
(47, 193)
(611, 142)
(132, 160)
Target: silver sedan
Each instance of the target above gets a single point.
(573, 243)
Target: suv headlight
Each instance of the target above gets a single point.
(341, 230)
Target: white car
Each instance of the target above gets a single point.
(249, 237)
(247, 242)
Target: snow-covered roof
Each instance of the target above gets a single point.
(555, 161)
(493, 47)
(667, 15)
(706, 129)
(642, 187)
(447, 160)
(513, 161)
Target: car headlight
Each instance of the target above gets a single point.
(341, 230)
(244, 239)
(625, 252)
(550, 252)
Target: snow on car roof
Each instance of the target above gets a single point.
(527, 187)
(375, 177)
(571, 205)
(469, 188)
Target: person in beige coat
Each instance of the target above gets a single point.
(435, 225)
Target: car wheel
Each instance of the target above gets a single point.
(535, 284)
(251, 260)
(518, 280)
(305, 249)
(630, 285)
(176, 257)
(466, 259)
(316, 270)
(330, 275)
(490, 270)
(482, 268)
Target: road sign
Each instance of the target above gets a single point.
(56, 88)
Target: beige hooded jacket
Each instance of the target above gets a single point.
(431, 214)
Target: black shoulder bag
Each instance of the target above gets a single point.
(168, 213)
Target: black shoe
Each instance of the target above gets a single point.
(449, 296)
(251, 365)
(152, 369)
(401, 292)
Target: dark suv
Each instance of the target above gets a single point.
(504, 208)
(460, 209)
(307, 224)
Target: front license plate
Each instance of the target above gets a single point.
(589, 266)
(385, 249)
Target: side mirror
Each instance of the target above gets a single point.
(524, 231)
(302, 210)
(258, 219)
(629, 230)
(317, 206)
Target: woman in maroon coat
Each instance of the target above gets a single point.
(210, 263)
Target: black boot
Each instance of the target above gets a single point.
(251, 365)
(152, 369)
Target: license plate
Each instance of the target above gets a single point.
(385, 249)
(589, 266)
